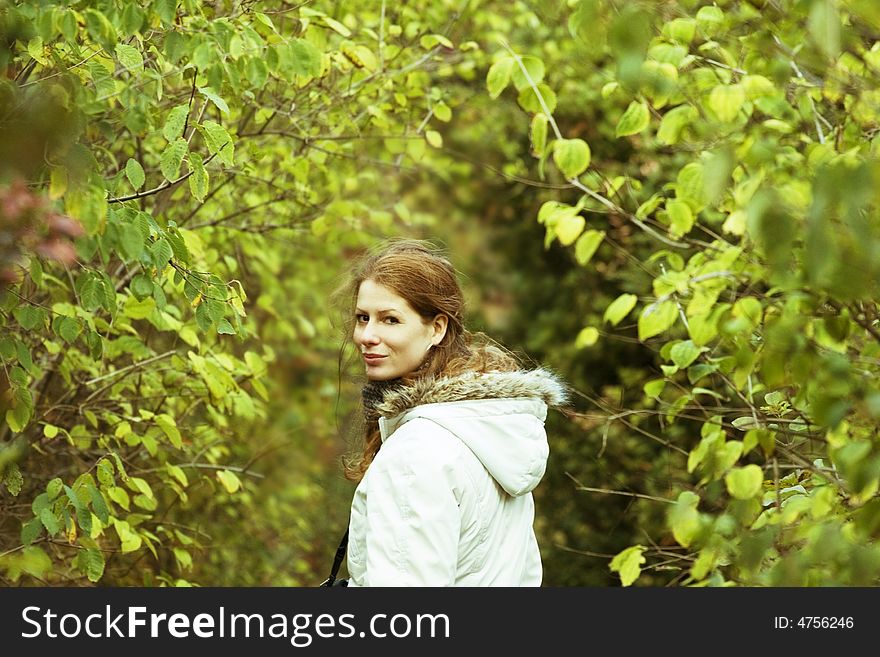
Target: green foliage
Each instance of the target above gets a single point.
(753, 185)
(704, 180)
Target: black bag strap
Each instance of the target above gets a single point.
(337, 560)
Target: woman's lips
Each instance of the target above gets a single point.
(373, 358)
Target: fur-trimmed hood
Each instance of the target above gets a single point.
(498, 415)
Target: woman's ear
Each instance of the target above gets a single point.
(439, 325)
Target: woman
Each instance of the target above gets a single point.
(454, 435)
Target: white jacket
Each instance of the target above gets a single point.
(447, 501)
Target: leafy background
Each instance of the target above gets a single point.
(672, 204)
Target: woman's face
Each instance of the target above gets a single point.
(387, 327)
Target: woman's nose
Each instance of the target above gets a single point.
(368, 335)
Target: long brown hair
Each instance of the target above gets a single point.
(418, 271)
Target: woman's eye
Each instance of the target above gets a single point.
(393, 320)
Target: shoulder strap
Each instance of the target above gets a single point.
(337, 560)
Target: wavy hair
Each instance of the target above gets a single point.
(417, 271)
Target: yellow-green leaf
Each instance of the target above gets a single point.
(538, 134)
(587, 244)
(90, 562)
(572, 156)
(726, 100)
(198, 181)
(587, 337)
(681, 218)
(175, 122)
(172, 157)
(684, 518)
(535, 68)
(130, 57)
(619, 308)
(169, 426)
(499, 76)
(635, 119)
(568, 228)
(230, 480)
(656, 318)
(745, 482)
(135, 173)
(434, 138)
(628, 564)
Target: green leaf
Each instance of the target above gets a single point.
(106, 474)
(535, 68)
(684, 518)
(499, 76)
(635, 119)
(257, 72)
(120, 496)
(656, 318)
(572, 156)
(140, 485)
(29, 317)
(166, 10)
(824, 24)
(141, 286)
(175, 122)
(54, 488)
(442, 112)
(628, 564)
(529, 99)
(681, 218)
(586, 246)
(91, 563)
(161, 253)
(434, 138)
(745, 482)
(681, 29)
(674, 121)
(172, 157)
(67, 328)
(212, 95)
(169, 426)
(745, 423)
(99, 506)
(619, 308)
(198, 181)
(12, 479)
(31, 530)
(306, 59)
(224, 327)
(587, 337)
(7, 348)
(710, 20)
(131, 241)
(538, 134)
(130, 57)
(654, 388)
(135, 173)
(50, 522)
(218, 141)
(230, 480)
(684, 353)
(336, 26)
(569, 227)
(725, 101)
(203, 318)
(20, 414)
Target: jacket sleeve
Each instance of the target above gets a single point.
(412, 512)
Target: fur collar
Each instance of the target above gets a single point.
(539, 383)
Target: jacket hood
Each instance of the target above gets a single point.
(498, 415)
